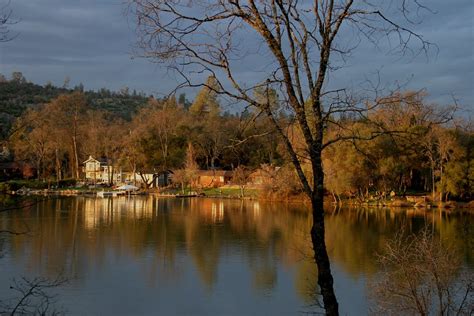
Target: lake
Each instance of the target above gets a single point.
(148, 255)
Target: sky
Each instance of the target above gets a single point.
(92, 42)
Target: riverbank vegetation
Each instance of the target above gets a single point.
(425, 149)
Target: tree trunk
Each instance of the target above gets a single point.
(38, 169)
(112, 173)
(433, 188)
(58, 168)
(441, 183)
(145, 180)
(325, 279)
(75, 158)
(134, 175)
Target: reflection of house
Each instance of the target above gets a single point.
(210, 210)
(213, 178)
(99, 212)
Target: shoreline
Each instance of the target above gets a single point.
(402, 203)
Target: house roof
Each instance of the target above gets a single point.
(102, 161)
(90, 159)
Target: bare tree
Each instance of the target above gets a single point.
(422, 276)
(6, 19)
(241, 178)
(302, 41)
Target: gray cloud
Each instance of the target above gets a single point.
(92, 42)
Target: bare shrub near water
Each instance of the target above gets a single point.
(33, 297)
(280, 184)
(421, 276)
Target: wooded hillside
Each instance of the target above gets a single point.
(18, 94)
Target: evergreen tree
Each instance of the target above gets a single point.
(206, 101)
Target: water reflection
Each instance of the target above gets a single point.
(260, 251)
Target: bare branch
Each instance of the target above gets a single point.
(6, 20)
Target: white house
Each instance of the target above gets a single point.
(100, 172)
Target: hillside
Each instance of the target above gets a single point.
(17, 94)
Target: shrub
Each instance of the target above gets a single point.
(422, 276)
(14, 185)
(4, 187)
(66, 183)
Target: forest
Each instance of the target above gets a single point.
(406, 144)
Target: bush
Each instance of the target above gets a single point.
(4, 187)
(14, 185)
(422, 276)
(282, 182)
(67, 183)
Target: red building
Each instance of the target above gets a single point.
(213, 178)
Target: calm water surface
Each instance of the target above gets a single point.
(146, 255)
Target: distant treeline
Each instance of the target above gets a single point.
(403, 144)
(17, 94)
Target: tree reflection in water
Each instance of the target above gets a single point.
(80, 235)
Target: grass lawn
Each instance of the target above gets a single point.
(223, 191)
(229, 192)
